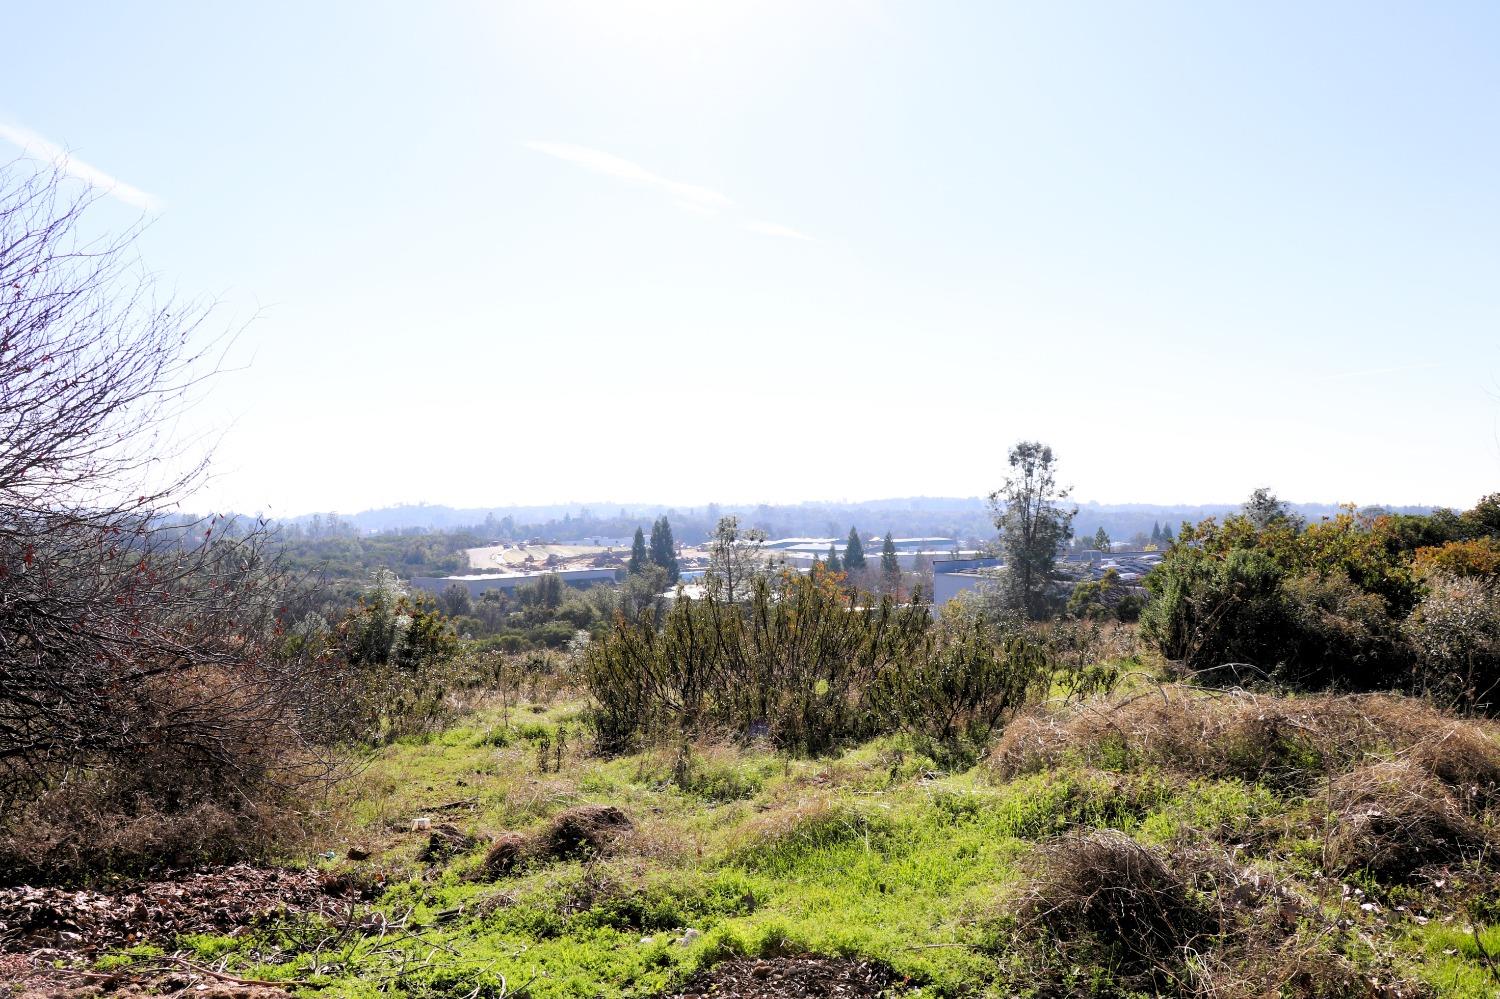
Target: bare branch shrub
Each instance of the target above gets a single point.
(140, 665)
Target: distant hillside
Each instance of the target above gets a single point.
(935, 516)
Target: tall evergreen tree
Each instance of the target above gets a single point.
(1155, 533)
(888, 562)
(1101, 539)
(638, 557)
(834, 564)
(854, 552)
(664, 549)
(1166, 534)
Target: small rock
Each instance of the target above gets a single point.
(688, 936)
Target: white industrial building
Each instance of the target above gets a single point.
(910, 552)
(478, 583)
(950, 577)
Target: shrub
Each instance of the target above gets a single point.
(794, 664)
(1312, 608)
(1209, 608)
(801, 664)
(1455, 631)
(1473, 557)
(954, 695)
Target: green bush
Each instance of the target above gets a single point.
(956, 693)
(1357, 602)
(805, 666)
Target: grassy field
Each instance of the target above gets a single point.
(871, 853)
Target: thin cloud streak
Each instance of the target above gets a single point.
(35, 145)
(615, 166)
(1374, 372)
(775, 229)
(690, 197)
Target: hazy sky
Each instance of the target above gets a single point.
(691, 251)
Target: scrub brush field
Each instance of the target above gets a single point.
(1165, 841)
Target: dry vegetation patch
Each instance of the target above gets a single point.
(584, 831)
(1393, 819)
(1280, 741)
(507, 853)
(1184, 922)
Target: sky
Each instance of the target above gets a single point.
(672, 251)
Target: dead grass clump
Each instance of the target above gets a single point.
(1393, 819)
(1103, 899)
(505, 855)
(582, 831)
(1101, 914)
(1461, 752)
(65, 835)
(1281, 741)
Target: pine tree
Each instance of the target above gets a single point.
(638, 556)
(1166, 534)
(664, 549)
(854, 552)
(834, 565)
(888, 562)
(1155, 533)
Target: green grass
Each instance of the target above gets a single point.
(865, 854)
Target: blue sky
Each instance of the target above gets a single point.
(680, 251)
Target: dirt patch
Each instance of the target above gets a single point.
(213, 901)
(587, 830)
(789, 978)
(31, 979)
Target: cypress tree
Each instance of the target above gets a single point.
(854, 552)
(638, 556)
(888, 562)
(664, 549)
(1155, 533)
(834, 565)
(1166, 534)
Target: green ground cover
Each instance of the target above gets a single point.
(871, 852)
